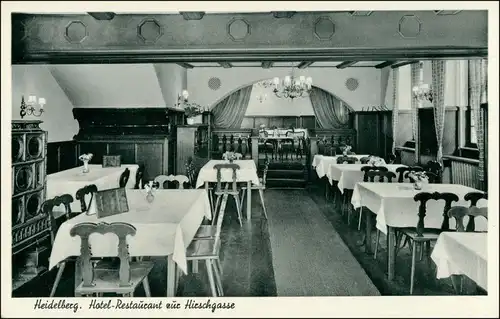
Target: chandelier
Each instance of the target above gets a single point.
(290, 87)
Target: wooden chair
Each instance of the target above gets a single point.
(208, 250)
(473, 197)
(82, 192)
(122, 280)
(124, 178)
(391, 159)
(261, 187)
(191, 172)
(436, 172)
(238, 156)
(383, 175)
(179, 179)
(139, 176)
(233, 191)
(402, 171)
(420, 234)
(364, 160)
(367, 169)
(56, 219)
(346, 160)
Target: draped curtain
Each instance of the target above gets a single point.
(330, 112)
(438, 79)
(478, 86)
(415, 68)
(229, 112)
(395, 108)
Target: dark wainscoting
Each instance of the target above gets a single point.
(61, 156)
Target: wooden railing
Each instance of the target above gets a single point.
(328, 141)
(236, 140)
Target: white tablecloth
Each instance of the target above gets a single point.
(165, 226)
(349, 174)
(462, 254)
(322, 163)
(247, 172)
(71, 180)
(394, 205)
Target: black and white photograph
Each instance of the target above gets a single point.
(217, 159)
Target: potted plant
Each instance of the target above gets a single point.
(193, 113)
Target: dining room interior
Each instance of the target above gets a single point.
(250, 154)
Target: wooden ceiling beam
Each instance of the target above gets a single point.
(226, 65)
(102, 15)
(346, 64)
(185, 65)
(400, 64)
(267, 64)
(384, 64)
(304, 64)
(192, 15)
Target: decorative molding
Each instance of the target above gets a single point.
(192, 15)
(238, 29)
(360, 13)
(283, 14)
(384, 64)
(324, 28)
(267, 64)
(149, 30)
(214, 83)
(102, 15)
(409, 26)
(225, 65)
(446, 12)
(304, 64)
(351, 84)
(76, 32)
(400, 64)
(185, 65)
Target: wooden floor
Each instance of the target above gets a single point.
(249, 261)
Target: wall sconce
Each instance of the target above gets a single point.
(30, 107)
(182, 98)
(423, 92)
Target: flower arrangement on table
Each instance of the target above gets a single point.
(85, 158)
(150, 187)
(418, 179)
(346, 149)
(231, 156)
(375, 161)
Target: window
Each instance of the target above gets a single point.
(470, 120)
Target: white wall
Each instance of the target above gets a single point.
(37, 80)
(172, 79)
(329, 79)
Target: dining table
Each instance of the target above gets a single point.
(71, 180)
(395, 207)
(247, 173)
(322, 163)
(164, 227)
(462, 253)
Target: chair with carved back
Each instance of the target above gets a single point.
(364, 160)
(178, 180)
(365, 170)
(261, 187)
(474, 197)
(122, 182)
(208, 250)
(420, 235)
(56, 218)
(232, 188)
(121, 279)
(82, 193)
(139, 177)
(436, 172)
(346, 160)
(402, 171)
(382, 176)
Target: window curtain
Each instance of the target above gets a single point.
(330, 112)
(229, 112)
(438, 81)
(478, 87)
(415, 69)
(395, 108)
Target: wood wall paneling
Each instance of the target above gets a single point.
(151, 155)
(125, 150)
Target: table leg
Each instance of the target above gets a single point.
(210, 199)
(391, 253)
(170, 277)
(368, 232)
(249, 200)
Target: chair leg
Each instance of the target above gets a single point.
(413, 260)
(360, 217)
(219, 265)
(238, 208)
(147, 290)
(58, 278)
(218, 279)
(376, 244)
(421, 251)
(210, 272)
(211, 200)
(261, 193)
(214, 218)
(195, 266)
(243, 193)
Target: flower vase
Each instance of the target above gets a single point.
(150, 197)
(85, 166)
(417, 185)
(231, 160)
